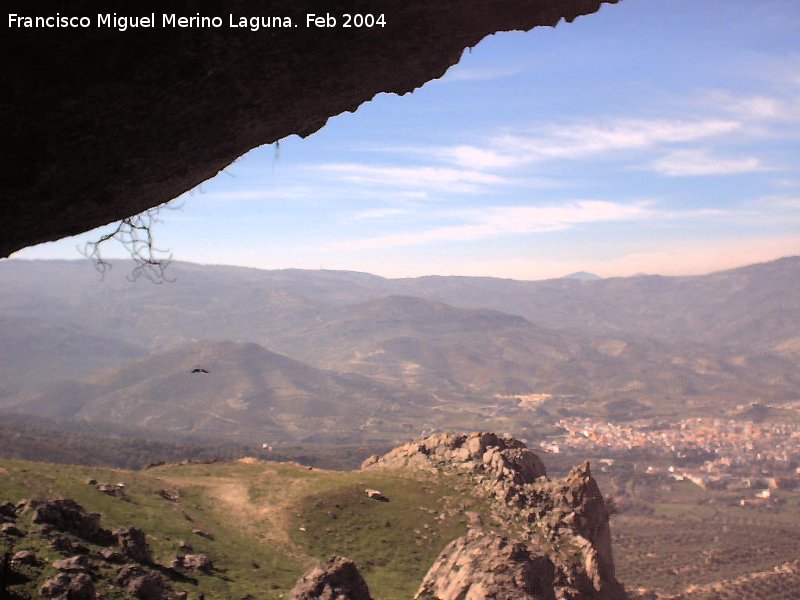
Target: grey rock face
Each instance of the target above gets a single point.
(499, 459)
(486, 566)
(565, 520)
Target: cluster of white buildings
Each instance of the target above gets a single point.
(713, 453)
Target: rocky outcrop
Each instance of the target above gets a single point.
(68, 516)
(8, 512)
(11, 530)
(67, 545)
(162, 109)
(60, 520)
(336, 579)
(580, 501)
(74, 564)
(143, 584)
(23, 557)
(78, 586)
(564, 520)
(194, 562)
(133, 543)
(484, 565)
(500, 464)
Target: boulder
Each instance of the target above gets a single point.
(487, 566)
(23, 557)
(11, 530)
(68, 515)
(376, 495)
(111, 490)
(142, 584)
(67, 545)
(111, 556)
(336, 579)
(195, 562)
(203, 534)
(133, 543)
(8, 511)
(77, 563)
(78, 586)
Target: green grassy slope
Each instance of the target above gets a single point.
(254, 513)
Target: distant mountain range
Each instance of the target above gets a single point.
(363, 353)
(223, 389)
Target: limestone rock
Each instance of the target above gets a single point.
(487, 566)
(78, 586)
(7, 511)
(505, 462)
(112, 556)
(68, 515)
(23, 557)
(11, 530)
(133, 543)
(78, 563)
(336, 579)
(143, 584)
(579, 496)
(376, 495)
(195, 562)
(569, 513)
(67, 545)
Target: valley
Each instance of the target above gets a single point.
(240, 404)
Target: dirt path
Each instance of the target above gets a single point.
(268, 519)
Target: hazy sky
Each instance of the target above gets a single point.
(658, 137)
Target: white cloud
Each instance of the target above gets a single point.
(478, 158)
(477, 224)
(760, 107)
(783, 105)
(429, 178)
(461, 73)
(581, 140)
(683, 163)
(379, 213)
(778, 202)
(252, 195)
(630, 134)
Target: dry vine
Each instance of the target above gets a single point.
(136, 235)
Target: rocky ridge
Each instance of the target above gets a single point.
(124, 554)
(563, 521)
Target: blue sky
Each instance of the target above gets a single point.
(657, 137)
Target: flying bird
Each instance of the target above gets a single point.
(199, 370)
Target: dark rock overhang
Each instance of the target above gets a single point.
(99, 124)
